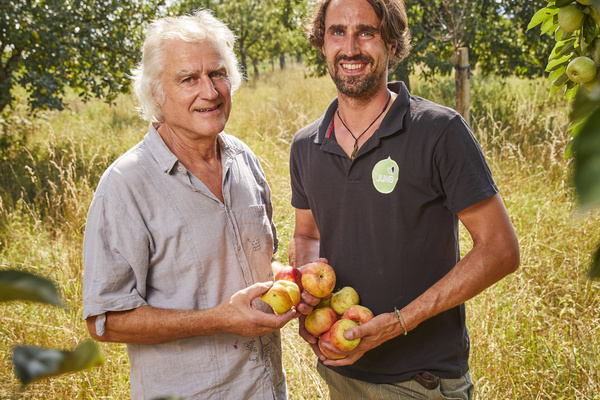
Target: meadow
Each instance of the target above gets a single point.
(534, 335)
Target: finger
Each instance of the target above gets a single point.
(309, 298)
(354, 333)
(323, 260)
(256, 290)
(305, 309)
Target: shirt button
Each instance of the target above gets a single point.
(267, 363)
(238, 247)
(180, 168)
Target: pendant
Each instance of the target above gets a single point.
(354, 151)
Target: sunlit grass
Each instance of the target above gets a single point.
(534, 335)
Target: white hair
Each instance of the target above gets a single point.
(199, 27)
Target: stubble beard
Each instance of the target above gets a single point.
(361, 88)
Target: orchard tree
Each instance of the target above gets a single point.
(88, 45)
(573, 70)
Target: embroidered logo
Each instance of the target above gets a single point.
(385, 175)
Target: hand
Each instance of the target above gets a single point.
(242, 318)
(308, 301)
(310, 339)
(378, 330)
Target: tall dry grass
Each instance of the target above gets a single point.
(535, 334)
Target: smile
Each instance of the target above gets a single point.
(206, 109)
(353, 66)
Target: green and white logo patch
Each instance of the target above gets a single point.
(385, 175)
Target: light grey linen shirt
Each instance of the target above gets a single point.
(157, 236)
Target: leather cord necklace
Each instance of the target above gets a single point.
(365, 131)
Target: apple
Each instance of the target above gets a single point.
(319, 321)
(282, 296)
(570, 18)
(585, 2)
(289, 273)
(326, 338)
(591, 85)
(581, 69)
(324, 303)
(359, 314)
(344, 299)
(337, 335)
(318, 279)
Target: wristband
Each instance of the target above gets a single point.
(400, 319)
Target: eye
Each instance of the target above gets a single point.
(189, 79)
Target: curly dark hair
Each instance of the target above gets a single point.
(394, 26)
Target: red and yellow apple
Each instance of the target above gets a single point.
(337, 335)
(282, 296)
(289, 273)
(326, 339)
(359, 314)
(343, 299)
(318, 279)
(320, 320)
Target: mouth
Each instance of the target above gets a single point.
(204, 110)
(353, 66)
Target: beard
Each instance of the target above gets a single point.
(363, 86)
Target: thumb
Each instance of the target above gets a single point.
(257, 289)
(354, 333)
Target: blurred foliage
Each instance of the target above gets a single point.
(576, 29)
(88, 45)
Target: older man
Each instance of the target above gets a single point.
(180, 238)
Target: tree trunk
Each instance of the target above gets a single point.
(463, 87)
(282, 62)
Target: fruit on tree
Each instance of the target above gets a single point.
(320, 321)
(570, 18)
(344, 299)
(318, 279)
(581, 69)
(282, 296)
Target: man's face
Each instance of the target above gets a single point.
(197, 90)
(357, 57)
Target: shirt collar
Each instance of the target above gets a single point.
(167, 160)
(392, 122)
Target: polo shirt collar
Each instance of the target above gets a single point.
(168, 161)
(392, 122)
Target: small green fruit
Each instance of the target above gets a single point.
(581, 69)
(570, 18)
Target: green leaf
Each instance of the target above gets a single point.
(554, 75)
(557, 62)
(20, 285)
(589, 30)
(548, 25)
(586, 152)
(541, 16)
(35, 363)
(562, 3)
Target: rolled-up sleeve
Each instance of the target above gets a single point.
(114, 249)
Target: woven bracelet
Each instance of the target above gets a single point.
(400, 319)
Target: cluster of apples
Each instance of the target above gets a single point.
(332, 316)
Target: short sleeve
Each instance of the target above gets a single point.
(465, 175)
(115, 258)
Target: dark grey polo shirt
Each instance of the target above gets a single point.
(388, 222)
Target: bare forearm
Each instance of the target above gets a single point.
(149, 325)
(303, 250)
(477, 271)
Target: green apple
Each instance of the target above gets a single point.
(337, 335)
(570, 18)
(282, 296)
(324, 303)
(359, 314)
(344, 299)
(320, 321)
(591, 85)
(581, 69)
(585, 2)
(318, 279)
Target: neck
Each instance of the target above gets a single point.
(190, 151)
(359, 112)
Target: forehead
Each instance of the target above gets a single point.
(350, 13)
(182, 55)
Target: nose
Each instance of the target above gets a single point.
(351, 46)
(207, 89)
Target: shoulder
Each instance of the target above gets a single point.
(428, 111)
